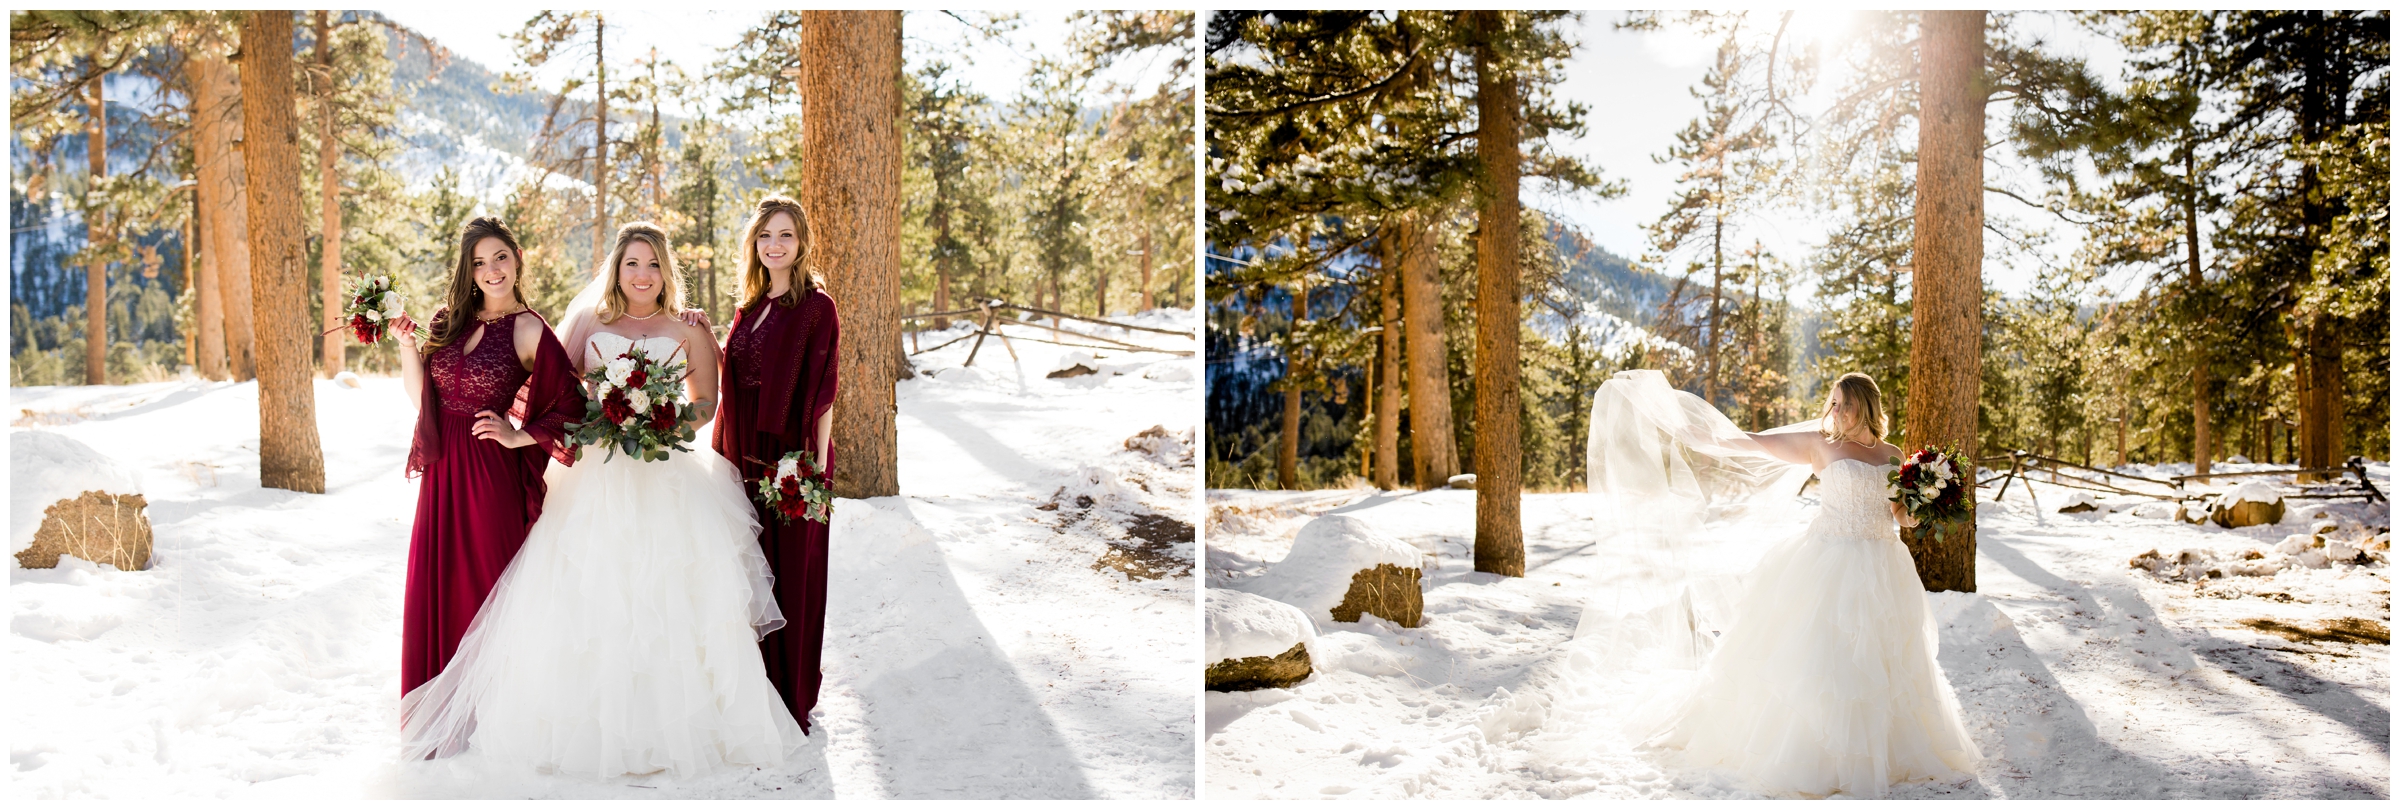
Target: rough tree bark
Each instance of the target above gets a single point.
(288, 453)
(224, 205)
(329, 188)
(1946, 358)
(1435, 448)
(1499, 530)
(210, 307)
(850, 182)
(1148, 303)
(95, 271)
(1387, 384)
(1287, 454)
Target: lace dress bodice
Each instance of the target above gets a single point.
(484, 379)
(1856, 497)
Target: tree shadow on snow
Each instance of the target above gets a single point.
(946, 715)
(2057, 730)
(980, 445)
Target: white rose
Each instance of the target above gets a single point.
(601, 391)
(788, 469)
(640, 400)
(372, 315)
(619, 370)
(383, 281)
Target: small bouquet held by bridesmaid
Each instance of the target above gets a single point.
(798, 489)
(373, 307)
(636, 407)
(1931, 488)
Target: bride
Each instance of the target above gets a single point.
(1823, 680)
(623, 639)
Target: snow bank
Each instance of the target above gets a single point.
(1327, 552)
(1243, 625)
(45, 468)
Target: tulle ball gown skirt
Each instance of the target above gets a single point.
(624, 637)
(1825, 681)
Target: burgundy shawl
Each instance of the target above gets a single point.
(801, 380)
(551, 397)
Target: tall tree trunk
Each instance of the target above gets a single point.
(1499, 530)
(2321, 351)
(1387, 384)
(1295, 368)
(208, 305)
(224, 205)
(1434, 446)
(191, 339)
(288, 453)
(1099, 290)
(1148, 303)
(329, 189)
(95, 271)
(1945, 356)
(601, 232)
(941, 263)
(850, 182)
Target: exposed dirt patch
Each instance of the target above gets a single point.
(1148, 550)
(2344, 630)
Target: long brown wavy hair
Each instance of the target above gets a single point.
(755, 281)
(670, 297)
(1860, 393)
(466, 297)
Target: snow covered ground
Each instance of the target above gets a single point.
(984, 638)
(2079, 676)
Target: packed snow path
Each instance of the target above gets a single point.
(973, 648)
(2079, 676)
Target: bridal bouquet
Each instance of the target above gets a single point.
(372, 308)
(636, 407)
(798, 489)
(1931, 487)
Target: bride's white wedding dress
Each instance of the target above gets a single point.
(623, 638)
(1825, 679)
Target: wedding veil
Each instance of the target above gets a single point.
(1687, 503)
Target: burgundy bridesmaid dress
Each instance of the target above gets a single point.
(780, 380)
(478, 498)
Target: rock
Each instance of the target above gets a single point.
(2148, 560)
(1260, 672)
(1462, 481)
(1386, 590)
(96, 526)
(1341, 567)
(2079, 502)
(2312, 558)
(346, 380)
(1077, 370)
(1253, 642)
(1170, 371)
(2238, 514)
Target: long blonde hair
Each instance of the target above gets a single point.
(1859, 392)
(755, 280)
(613, 302)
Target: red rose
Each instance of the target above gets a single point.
(638, 378)
(615, 407)
(790, 487)
(662, 417)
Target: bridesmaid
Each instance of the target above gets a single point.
(483, 475)
(778, 371)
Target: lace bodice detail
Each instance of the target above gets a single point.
(748, 343)
(1857, 500)
(605, 346)
(484, 379)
